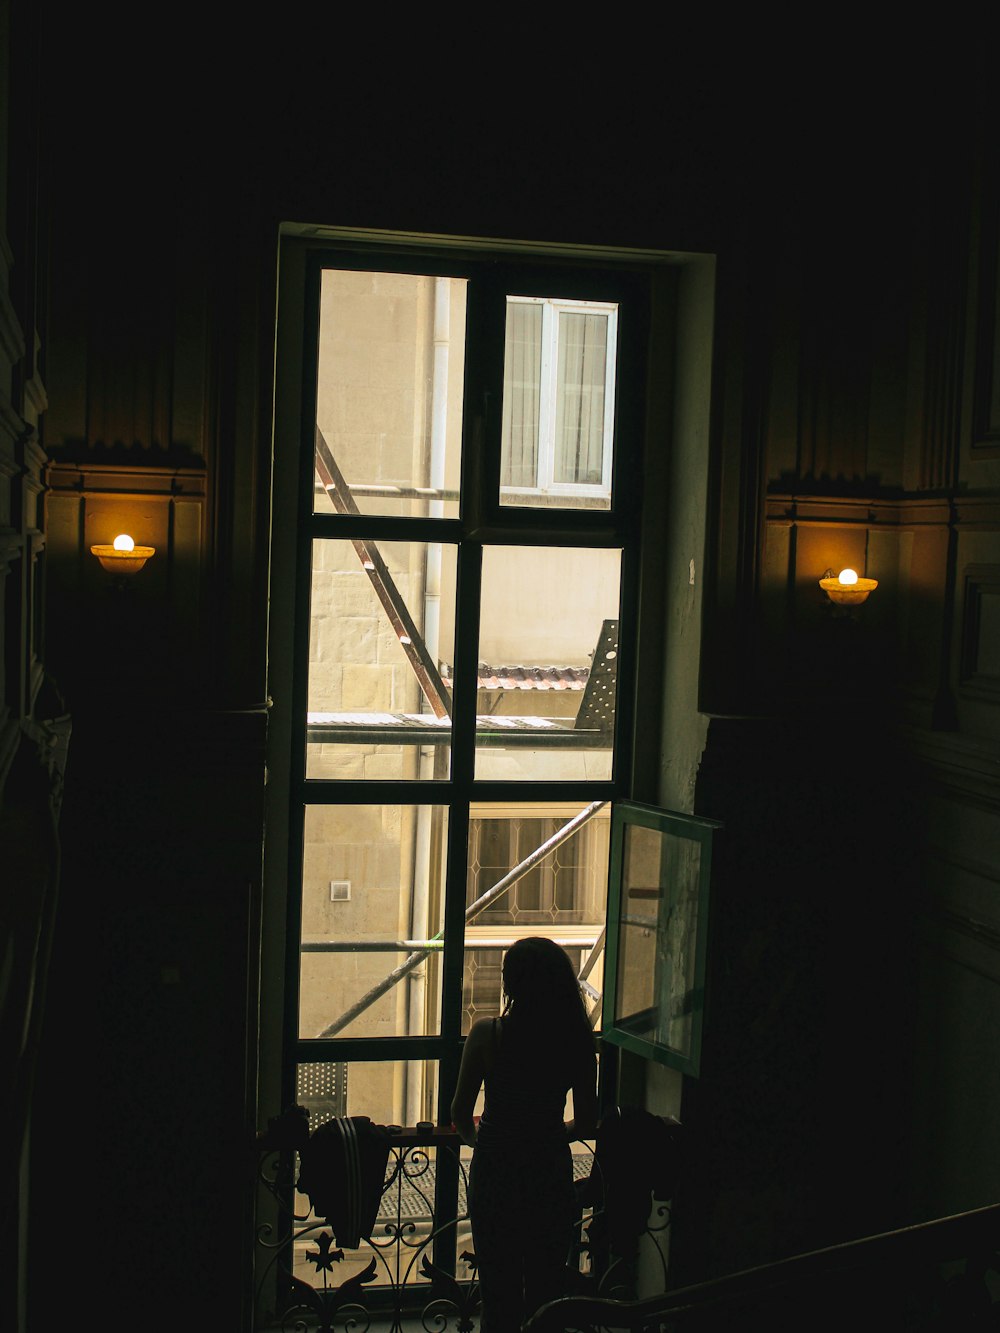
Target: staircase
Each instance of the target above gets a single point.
(938, 1277)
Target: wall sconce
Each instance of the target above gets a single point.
(845, 588)
(123, 556)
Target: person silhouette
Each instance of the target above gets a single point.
(521, 1198)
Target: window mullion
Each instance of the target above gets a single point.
(463, 772)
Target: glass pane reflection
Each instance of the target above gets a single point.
(658, 937)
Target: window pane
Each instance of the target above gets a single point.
(548, 653)
(372, 902)
(389, 393)
(389, 1092)
(558, 403)
(382, 622)
(534, 870)
(382, 1091)
(658, 937)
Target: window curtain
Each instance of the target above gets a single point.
(522, 385)
(579, 438)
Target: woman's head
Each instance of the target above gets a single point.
(539, 981)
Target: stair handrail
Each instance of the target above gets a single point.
(974, 1234)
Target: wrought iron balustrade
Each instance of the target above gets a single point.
(405, 1266)
(416, 1262)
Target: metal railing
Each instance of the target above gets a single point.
(396, 1273)
(307, 1280)
(936, 1277)
(314, 1282)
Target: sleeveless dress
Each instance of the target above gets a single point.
(521, 1199)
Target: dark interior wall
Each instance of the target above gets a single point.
(163, 203)
(855, 909)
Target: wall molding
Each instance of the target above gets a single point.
(977, 511)
(792, 509)
(978, 675)
(956, 766)
(967, 864)
(35, 396)
(12, 426)
(10, 734)
(983, 932)
(965, 943)
(986, 292)
(126, 481)
(11, 547)
(12, 343)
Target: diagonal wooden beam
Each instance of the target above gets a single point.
(410, 639)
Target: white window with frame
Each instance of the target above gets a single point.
(559, 401)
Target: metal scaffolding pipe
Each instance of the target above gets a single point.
(471, 912)
(592, 957)
(432, 946)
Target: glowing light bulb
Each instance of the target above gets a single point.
(847, 588)
(122, 557)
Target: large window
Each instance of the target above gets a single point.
(460, 466)
(467, 670)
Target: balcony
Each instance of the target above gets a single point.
(416, 1261)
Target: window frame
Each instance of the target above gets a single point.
(483, 521)
(484, 518)
(619, 1030)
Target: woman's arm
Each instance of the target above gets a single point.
(584, 1122)
(470, 1080)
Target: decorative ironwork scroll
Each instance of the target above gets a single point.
(391, 1275)
(307, 1280)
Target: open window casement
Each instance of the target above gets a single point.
(659, 879)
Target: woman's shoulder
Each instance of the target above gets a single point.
(481, 1032)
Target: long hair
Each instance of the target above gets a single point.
(543, 1000)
